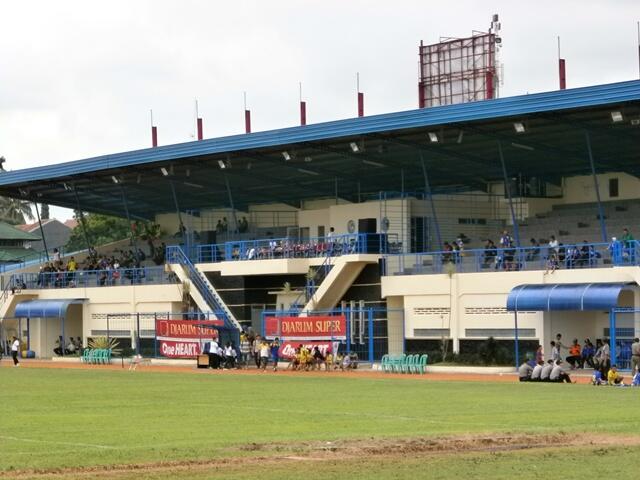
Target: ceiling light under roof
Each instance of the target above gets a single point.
(433, 137)
(519, 127)
(308, 159)
(286, 156)
(221, 164)
(164, 171)
(354, 147)
(616, 117)
(115, 179)
(308, 172)
(373, 164)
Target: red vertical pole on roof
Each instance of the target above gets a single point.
(247, 121)
(360, 104)
(421, 99)
(562, 73)
(489, 85)
(303, 113)
(200, 132)
(154, 136)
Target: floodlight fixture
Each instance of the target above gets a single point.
(354, 147)
(519, 127)
(164, 171)
(221, 164)
(115, 179)
(286, 155)
(308, 159)
(616, 116)
(460, 135)
(433, 137)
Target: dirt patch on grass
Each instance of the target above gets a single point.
(364, 449)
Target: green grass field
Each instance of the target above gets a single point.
(227, 426)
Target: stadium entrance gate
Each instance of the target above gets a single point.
(370, 333)
(165, 334)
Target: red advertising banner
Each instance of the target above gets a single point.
(306, 328)
(182, 338)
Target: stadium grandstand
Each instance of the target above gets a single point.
(433, 228)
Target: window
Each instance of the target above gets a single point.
(613, 187)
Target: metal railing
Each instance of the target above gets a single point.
(574, 256)
(176, 255)
(270, 248)
(92, 278)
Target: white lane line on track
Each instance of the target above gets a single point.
(55, 442)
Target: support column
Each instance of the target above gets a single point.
(82, 224)
(612, 336)
(636, 313)
(517, 348)
(603, 225)
(427, 189)
(44, 240)
(126, 211)
(507, 189)
(233, 209)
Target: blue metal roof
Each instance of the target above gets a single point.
(45, 308)
(565, 296)
(437, 116)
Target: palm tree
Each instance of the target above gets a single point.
(15, 211)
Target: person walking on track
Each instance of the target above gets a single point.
(15, 346)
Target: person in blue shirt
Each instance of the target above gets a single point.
(275, 348)
(597, 378)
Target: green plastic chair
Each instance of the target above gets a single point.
(407, 365)
(397, 367)
(423, 363)
(85, 355)
(384, 363)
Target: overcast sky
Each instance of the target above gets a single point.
(78, 78)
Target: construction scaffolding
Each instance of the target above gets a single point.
(459, 70)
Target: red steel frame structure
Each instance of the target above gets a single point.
(458, 70)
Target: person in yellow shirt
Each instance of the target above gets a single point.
(72, 266)
(614, 376)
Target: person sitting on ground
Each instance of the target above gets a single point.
(328, 360)
(525, 371)
(546, 371)
(338, 362)
(597, 378)
(537, 370)
(558, 375)
(614, 377)
(318, 358)
(346, 363)
(574, 357)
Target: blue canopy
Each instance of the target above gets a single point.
(566, 296)
(45, 308)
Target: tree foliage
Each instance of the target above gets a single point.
(14, 211)
(101, 229)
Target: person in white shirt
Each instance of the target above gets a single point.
(524, 371)
(15, 347)
(558, 374)
(553, 244)
(535, 374)
(546, 371)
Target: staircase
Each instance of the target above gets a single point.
(336, 283)
(205, 294)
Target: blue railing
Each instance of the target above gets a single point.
(92, 278)
(175, 255)
(270, 248)
(582, 255)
